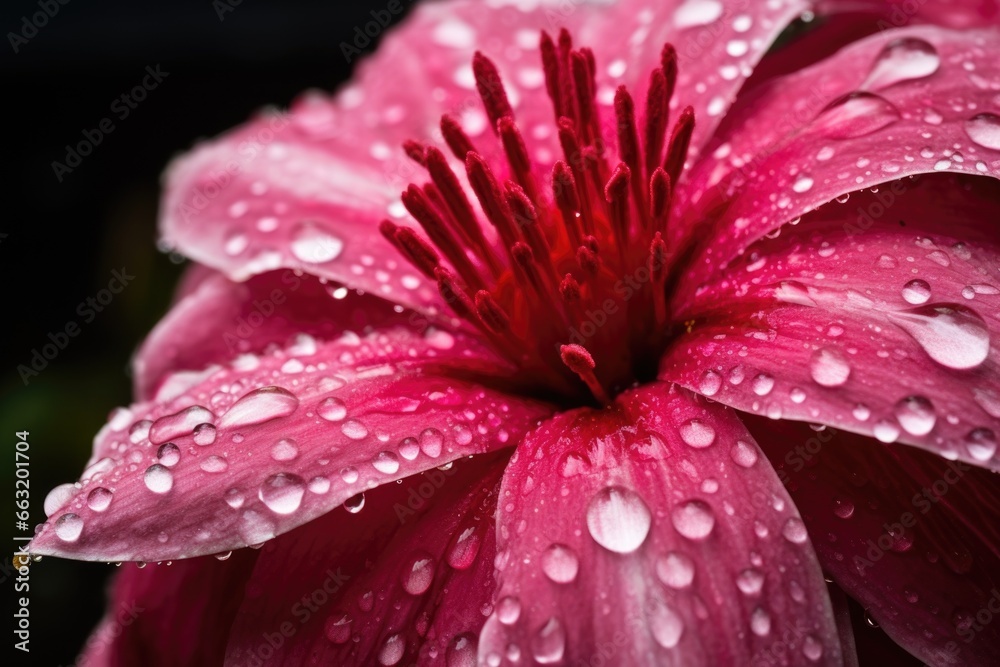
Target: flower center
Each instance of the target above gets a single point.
(574, 288)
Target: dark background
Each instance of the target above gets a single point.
(62, 239)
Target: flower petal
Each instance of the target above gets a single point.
(402, 582)
(902, 102)
(177, 614)
(908, 534)
(896, 13)
(638, 531)
(852, 320)
(292, 434)
(218, 319)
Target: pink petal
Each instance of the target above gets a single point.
(897, 13)
(907, 534)
(401, 582)
(885, 330)
(640, 532)
(177, 614)
(218, 319)
(800, 142)
(295, 435)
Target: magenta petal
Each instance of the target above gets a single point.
(905, 533)
(217, 319)
(638, 531)
(270, 442)
(857, 119)
(177, 614)
(887, 14)
(864, 324)
(401, 582)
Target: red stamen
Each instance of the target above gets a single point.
(668, 61)
(579, 360)
(415, 151)
(564, 190)
(420, 207)
(616, 194)
(550, 64)
(584, 95)
(574, 158)
(455, 137)
(491, 313)
(569, 289)
(526, 219)
(517, 153)
(455, 296)
(679, 141)
(658, 268)
(491, 198)
(628, 143)
(657, 115)
(660, 195)
(491, 89)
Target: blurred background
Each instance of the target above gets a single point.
(64, 233)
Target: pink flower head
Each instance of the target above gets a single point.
(505, 353)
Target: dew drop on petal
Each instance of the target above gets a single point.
(952, 335)
(214, 464)
(795, 531)
(829, 367)
(99, 499)
(560, 564)
(981, 443)
(58, 497)
(391, 651)
(204, 434)
(675, 570)
(760, 622)
(158, 479)
(618, 519)
(904, 59)
(354, 429)
(750, 581)
(549, 643)
(168, 454)
(665, 624)
(916, 291)
(284, 450)
(68, 527)
(418, 574)
(744, 454)
(984, 129)
(386, 463)
(694, 519)
(697, 13)
(282, 493)
(260, 405)
(355, 503)
(332, 409)
(313, 244)
(431, 441)
(856, 115)
(696, 433)
(508, 610)
(461, 651)
(710, 383)
(916, 415)
(338, 628)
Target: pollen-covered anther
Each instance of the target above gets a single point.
(580, 361)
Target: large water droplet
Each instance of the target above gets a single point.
(284, 450)
(694, 519)
(354, 429)
(549, 643)
(68, 527)
(760, 622)
(508, 610)
(99, 499)
(916, 415)
(464, 548)
(984, 129)
(665, 624)
(314, 244)
(829, 367)
(710, 383)
(697, 433)
(462, 651)
(697, 12)
(431, 442)
(981, 443)
(214, 464)
(618, 519)
(675, 570)
(392, 650)
(386, 463)
(282, 493)
(902, 60)
(355, 503)
(916, 291)
(950, 334)
(158, 479)
(560, 564)
(338, 627)
(178, 424)
(204, 434)
(744, 454)
(58, 497)
(418, 574)
(260, 405)
(332, 409)
(750, 581)
(856, 115)
(168, 454)
(795, 531)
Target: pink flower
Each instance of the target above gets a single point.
(589, 367)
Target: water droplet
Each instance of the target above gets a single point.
(462, 651)
(795, 531)
(950, 334)
(409, 449)
(549, 643)
(355, 503)
(314, 244)
(665, 624)
(332, 409)
(710, 383)
(214, 464)
(204, 434)
(338, 628)
(802, 184)
(178, 424)
(282, 493)
(843, 507)
(885, 431)
(760, 622)
(618, 519)
(829, 367)
(697, 433)
(981, 443)
(158, 479)
(812, 648)
(464, 548)
(284, 450)
(99, 499)
(168, 454)
(392, 650)
(58, 497)
(260, 405)
(762, 384)
(386, 463)
(917, 291)
(744, 454)
(508, 610)
(431, 442)
(697, 13)
(354, 429)
(694, 519)
(904, 59)
(68, 527)
(418, 574)
(916, 415)
(675, 570)
(560, 564)
(984, 129)
(856, 115)
(234, 498)
(750, 581)
(349, 475)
